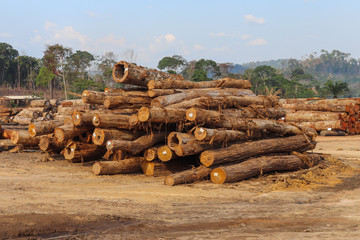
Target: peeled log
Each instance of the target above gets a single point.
(223, 135)
(68, 131)
(314, 116)
(183, 84)
(44, 127)
(129, 73)
(129, 165)
(237, 152)
(110, 120)
(256, 166)
(161, 115)
(79, 152)
(137, 146)
(23, 137)
(101, 135)
(188, 176)
(166, 100)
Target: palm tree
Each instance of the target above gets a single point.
(336, 88)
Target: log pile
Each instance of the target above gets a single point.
(183, 131)
(327, 116)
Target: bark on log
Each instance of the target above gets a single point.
(166, 100)
(137, 146)
(314, 116)
(161, 115)
(101, 135)
(22, 120)
(44, 127)
(329, 107)
(224, 135)
(81, 152)
(6, 144)
(188, 176)
(110, 120)
(129, 73)
(237, 152)
(130, 165)
(256, 166)
(37, 103)
(183, 84)
(158, 168)
(23, 137)
(68, 131)
(332, 133)
(324, 125)
(165, 154)
(161, 92)
(73, 103)
(185, 144)
(116, 101)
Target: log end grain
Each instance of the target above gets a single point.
(179, 150)
(172, 140)
(150, 154)
(32, 130)
(107, 103)
(96, 119)
(59, 134)
(200, 133)
(76, 118)
(143, 114)
(98, 136)
(207, 158)
(15, 137)
(120, 71)
(106, 90)
(156, 103)
(133, 120)
(96, 168)
(191, 114)
(44, 143)
(151, 85)
(165, 154)
(218, 175)
(169, 181)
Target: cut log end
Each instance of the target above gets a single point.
(133, 120)
(179, 151)
(59, 134)
(96, 120)
(200, 133)
(151, 85)
(76, 118)
(120, 71)
(143, 114)
(44, 143)
(207, 158)
(98, 136)
(96, 168)
(218, 175)
(107, 103)
(191, 114)
(15, 137)
(109, 145)
(169, 181)
(164, 153)
(150, 154)
(32, 130)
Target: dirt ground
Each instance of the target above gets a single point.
(59, 200)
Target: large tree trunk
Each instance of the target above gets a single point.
(330, 107)
(257, 166)
(68, 131)
(314, 116)
(23, 137)
(188, 176)
(44, 127)
(116, 101)
(129, 73)
(323, 125)
(167, 100)
(102, 135)
(111, 120)
(224, 135)
(161, 92)
(182, 84)
(137, 146)
(81, 152)
(185, 144)
(129, 165)
(238, 152)
(161, 115)
(50, 144)
(150, 154)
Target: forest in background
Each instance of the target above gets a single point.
(62, 70)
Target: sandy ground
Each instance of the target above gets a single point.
(59, 200)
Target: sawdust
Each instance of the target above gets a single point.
(328, 173)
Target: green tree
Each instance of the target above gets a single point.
(7, 57)
(175, 64)
(205, 68)
(80, 61)
(44, 77)
(336, 88)
(106, 64)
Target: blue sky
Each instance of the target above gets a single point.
(224, 31)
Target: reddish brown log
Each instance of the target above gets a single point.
(129, 73)
(223, 135)
(237, 152)
(256, 166)
(161, 115)
(44, 127)
(159, 168)
(101, 135)
(188, 176)
(167, 100)
(129, 165)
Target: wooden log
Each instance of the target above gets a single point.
(38, 103)
(332, 133)
(44, 127)
(48, 143)
(188, 176)
(329, 107)
(137, 146)
(223, 135)
(28, 112)
(129, 73)
(209, 116)
(6, 144)
(101, 135)
(165, 154)
(129, 165)
(314, 116)
(116, 101)
(166, 100)
(161, 115)
(6, 133)
(93, 97)
(119, 155)
(161, 92)
(256, 166)
(150, 154)
(237, 152)
(23, 137)
(22, 120)
(82, 118)
(162, 169)
(323, 125)
(110, 120)
(68, 131)
(81, 152)
(185, 144)
(182, 84)
(68, 111)
(73, 103)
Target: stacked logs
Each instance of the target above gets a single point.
(327, 116)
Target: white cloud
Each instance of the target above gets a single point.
(112, 40)
(252, 19)
(69, 34)
(169, 38)
(162, 42)
(257, 42)
(219, 34)
(50, 26)
(5, 35)
(198, 47)
(245, 36)
(221, 49)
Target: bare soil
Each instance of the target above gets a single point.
(60, 200)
